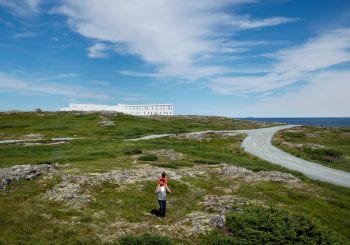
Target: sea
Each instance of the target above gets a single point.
(310, 121)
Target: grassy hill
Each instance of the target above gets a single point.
(100, 188)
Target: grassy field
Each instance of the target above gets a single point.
(328, 146)
(116, 209)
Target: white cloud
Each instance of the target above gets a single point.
(58, 76)
(173, 36)
(20, 85)
(23, 8)
(330, 48)
(246, 22)
(98, 50)
(24, 34)
(292, 64)
(326, 95)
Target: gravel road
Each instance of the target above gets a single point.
(258, 143)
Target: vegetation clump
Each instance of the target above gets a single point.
(261, 225)
(148, 157)
(324, 154)
(133, 151)
(203, 161)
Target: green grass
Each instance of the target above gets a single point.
(26, 216)
(328, 146)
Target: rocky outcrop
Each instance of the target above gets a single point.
(37, 139)
(250, 176)
(105, 121)
(207, 135)
(168, 154)
(190, 226)
(73, 189)
(222, 204)
(27, 172)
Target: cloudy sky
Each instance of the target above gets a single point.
(238, 58)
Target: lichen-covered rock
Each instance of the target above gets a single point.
(168, 154)
(207, 135)
(222, 204)
(18, 172)
(70, 190)
(217, 221)
(73, 192)
(250, 176)
(106, 123)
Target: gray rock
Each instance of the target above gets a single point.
(217, 221)
(168, 154)
(106, 123)
(27, 172)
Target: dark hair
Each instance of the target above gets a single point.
(163, 174)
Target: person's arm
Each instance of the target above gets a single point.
(158, 184)
(167, 189)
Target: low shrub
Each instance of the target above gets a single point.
(203, 161)
(148, 157)
(324, 154)
(145, 239)
(134, 151)
(260, 225)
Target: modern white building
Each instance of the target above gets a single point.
(138, 110)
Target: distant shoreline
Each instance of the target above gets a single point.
(309, 121)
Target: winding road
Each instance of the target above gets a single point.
(258, 143)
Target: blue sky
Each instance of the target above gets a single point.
(237, 58)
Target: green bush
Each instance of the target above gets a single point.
(259, 225)
(202, 161)
(145, 239)
(324, 154)
(149, 157)
(134, 151)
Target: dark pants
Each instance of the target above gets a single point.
(162, 207)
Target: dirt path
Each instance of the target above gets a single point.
(258, 143)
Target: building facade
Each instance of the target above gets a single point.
(137, 110)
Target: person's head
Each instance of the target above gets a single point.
(163, 174)
(161, 182)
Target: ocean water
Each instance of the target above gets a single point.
(313, 121)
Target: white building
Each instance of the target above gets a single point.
(139, 110)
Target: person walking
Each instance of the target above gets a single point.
(162, 191)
